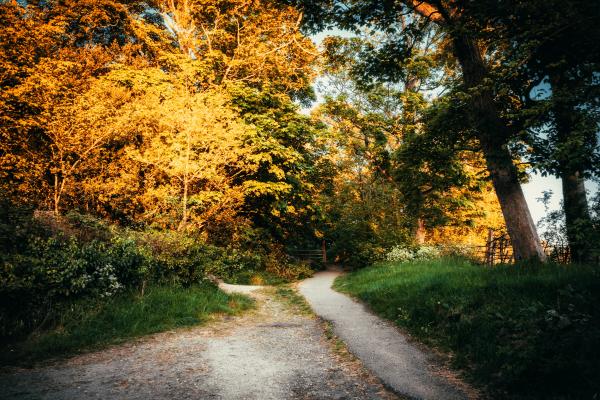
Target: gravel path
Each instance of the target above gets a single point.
(383, 349)
(274, 352)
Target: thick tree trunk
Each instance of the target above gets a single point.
(577, 215)
(521, 228)
(493, 135)
(567, 120)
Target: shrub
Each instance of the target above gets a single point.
(52, 272)
(400, 254)
(404, 254)
(79, 257)
(464, 251)
(283, 266)
(427, 253)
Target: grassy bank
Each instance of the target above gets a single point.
(88, 325)
(519, 331)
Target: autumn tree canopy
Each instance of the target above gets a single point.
(185, 115)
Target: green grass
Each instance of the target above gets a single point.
(520, 332)
(293, 299)
(250, 277)
(91, 325)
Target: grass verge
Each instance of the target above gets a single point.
(293, 299)
(88, 325)
(520, 332)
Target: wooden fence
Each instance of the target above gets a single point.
(498, 250)
(312, 256)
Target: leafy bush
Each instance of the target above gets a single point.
(50, 262)
(177, 258)
(53, 271)
(462, 251)
(400, 254)
(245, 267)
(281, 265)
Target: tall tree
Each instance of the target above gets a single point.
(563, 122)
(254, 42)
(49, 51)
(189, 141)
(493, 132)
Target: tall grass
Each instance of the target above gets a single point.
(520, 331)
(93, 324)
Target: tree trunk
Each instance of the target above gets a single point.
(493, 135)
(56, 195)
(567, 119)
(184, 204)
(577, 215)
(420, 232)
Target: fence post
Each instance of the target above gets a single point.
(488, 247)
(324, 252)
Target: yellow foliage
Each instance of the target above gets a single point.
(190, 142)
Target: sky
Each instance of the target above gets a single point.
(533, 190)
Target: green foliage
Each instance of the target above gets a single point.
(280, 193)
(93, 323)
(364, 219)
(438, 169)
(293, 299)
(65, 260)
(523, 331)
(54, 271)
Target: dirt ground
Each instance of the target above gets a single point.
(273, 352)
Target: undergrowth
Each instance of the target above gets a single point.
(293, 299)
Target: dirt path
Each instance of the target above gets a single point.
(406, 368)
(274, 352)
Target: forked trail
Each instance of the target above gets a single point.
(273, 352)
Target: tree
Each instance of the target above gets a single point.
(563, 122)
(251, 42)
(190, 140)
(493, 132)
(78, 130)
(167, 113)
(280, 195)
(442, 172)
(49, 52)
(376, 117)
(399, 148)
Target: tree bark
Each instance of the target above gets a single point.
(577, 215)
(184, 204)
(493, 136)
(56, 195)
(420, 232)
(575, 205)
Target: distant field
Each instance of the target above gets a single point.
(93, 324)
(526, 332)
